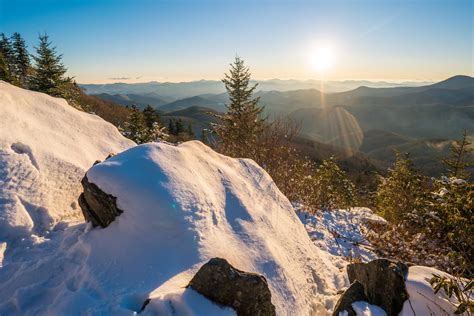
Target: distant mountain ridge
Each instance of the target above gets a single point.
(375, 121)
(179, 90)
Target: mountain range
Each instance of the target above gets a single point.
(375, 121)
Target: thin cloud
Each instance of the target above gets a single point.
(120, 78)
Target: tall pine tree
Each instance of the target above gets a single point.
(241, 126)
(21, 59)
(49, 71)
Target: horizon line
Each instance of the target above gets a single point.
(377, 80)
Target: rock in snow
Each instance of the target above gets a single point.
(383, 281)
(98, 207)
(247, 293)
(353, 294)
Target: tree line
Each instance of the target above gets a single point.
(43, 71)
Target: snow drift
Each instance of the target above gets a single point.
(45, 147)
(186, 204)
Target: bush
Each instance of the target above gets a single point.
(403, 192)
(332, 187)
(454, 206)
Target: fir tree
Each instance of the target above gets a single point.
(179, 127)
(189, 131)
(135, 128)
(4, 71)
(457, 163)
(49, 71)
(171, 127)
(154, 131)
(151, 116)
(21, 59)
(205, 137)
(335, 190)
(8, 71)
(241, 126)
(402, 193)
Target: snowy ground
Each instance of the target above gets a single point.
(45, 148)
(341, 233)
(183, 205)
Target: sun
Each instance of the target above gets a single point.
(322, 59)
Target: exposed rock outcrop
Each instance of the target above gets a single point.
(383, 281)
(98, 207)
(247, 293)
(354, 293)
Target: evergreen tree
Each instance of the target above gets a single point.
(135, 128)
(241, 126)
(49, 71)
(205, 137)
(402, 193)
(154, 131)
(190, 131)
(457, 163)
(334, 189)
(4, 71)
(179, 127)
(8, 71)
(21, 59)
(171, 127)
(151, 116)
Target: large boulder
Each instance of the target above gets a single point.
(383, 281)
(247, 293)
(98, 207)
(354, 293)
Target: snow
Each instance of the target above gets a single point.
(197, 205)
(365, 309)
(45, 148)
(422, 300)
(341, 233)
(183, 205)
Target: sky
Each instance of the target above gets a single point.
(184, 40)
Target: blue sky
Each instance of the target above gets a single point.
(177, 40)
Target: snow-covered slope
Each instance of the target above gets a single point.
(45, 148)
(182, 206)
(195, 204)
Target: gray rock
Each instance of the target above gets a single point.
(247, 293)
(354, 293)
(98, 207)
(383, 281)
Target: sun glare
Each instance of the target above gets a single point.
(322, 59)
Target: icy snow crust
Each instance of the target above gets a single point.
(45, 147)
